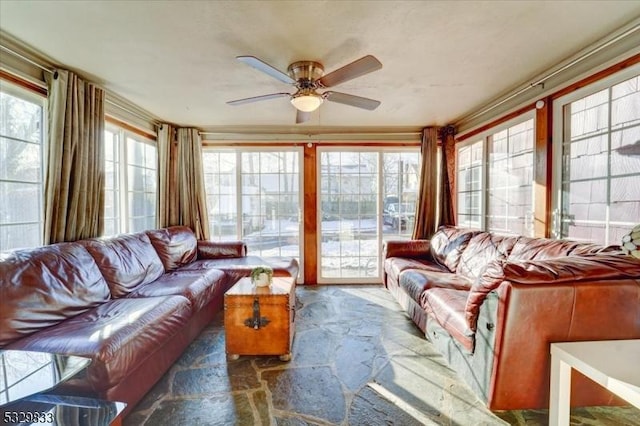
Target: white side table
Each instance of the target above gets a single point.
(614, 364)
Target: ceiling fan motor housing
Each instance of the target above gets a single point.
(305, 73)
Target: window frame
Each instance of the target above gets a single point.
(24, 94)
(126, 165)
(238, 152)
(122, 177)
(557, 135)
(469, 143)
(484, 137)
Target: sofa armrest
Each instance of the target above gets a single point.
(416, 249)
(532, 313)
(565, 270)
(221, 249)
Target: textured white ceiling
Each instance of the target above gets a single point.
(441, 59)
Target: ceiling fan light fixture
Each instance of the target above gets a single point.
(307, 102)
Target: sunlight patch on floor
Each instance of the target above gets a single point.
(400, 403)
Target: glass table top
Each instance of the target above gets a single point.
(25, 373)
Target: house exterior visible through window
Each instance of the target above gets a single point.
(495, 179)
(597, 195)
(256, 196)
(130, 182)
(21, 168)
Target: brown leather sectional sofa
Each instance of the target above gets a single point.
(131, 303)
(492, 305)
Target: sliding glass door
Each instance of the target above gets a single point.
(255, 196)
(365, 196)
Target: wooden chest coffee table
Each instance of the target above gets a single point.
(260, 320)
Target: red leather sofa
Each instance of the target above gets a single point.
(492, 305)
(131, 303)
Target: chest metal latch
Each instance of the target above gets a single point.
(256, 321)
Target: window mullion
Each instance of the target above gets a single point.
(123, 193)
(607, 219)
(239, 193)
(379, 207)
(484, 164)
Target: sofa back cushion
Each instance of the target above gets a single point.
(126, 261)
(176, 246)
(543, 248)
(599, 268)
(43, 286)
(483, 248)
(448, 243)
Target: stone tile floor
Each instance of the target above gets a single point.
(357, 360)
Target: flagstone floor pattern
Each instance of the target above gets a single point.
(357, 360)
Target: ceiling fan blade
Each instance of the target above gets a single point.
(258, 98)
(355, 69)
(302, 116)
(260, 65)
(356, 101)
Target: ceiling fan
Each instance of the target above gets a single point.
(308, 77)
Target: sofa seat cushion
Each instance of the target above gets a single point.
(126, 261)
(415, 282)
(118, 336)
(44, 286)
(199, 286)
(240, 267)
(395, 266)
(176, 246)
(447, 307)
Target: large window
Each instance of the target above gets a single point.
(509, 206)
(469, 184)
(255, 196)
(598, 198)
(365, 196)
(142, 164)
(21, 168)
(130, 182)
(495, 179)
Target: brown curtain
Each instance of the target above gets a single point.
(425, 224)
(167, 207)
(192, 199)
(447, 168)
(74, 182)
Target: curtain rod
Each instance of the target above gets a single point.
(24, 58)
(542, 80)
(313, 134)
(137, 114)
(223, 137)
